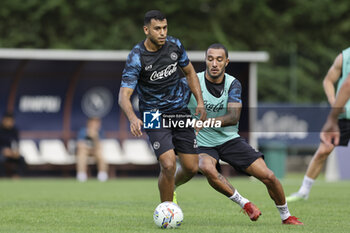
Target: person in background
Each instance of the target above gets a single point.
(9, 150)
(337, 73)
(89, 145)
(331, 133)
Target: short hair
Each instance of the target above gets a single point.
(217, 46)
(8, 115)
(153, 14)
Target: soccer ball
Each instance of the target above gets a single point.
(168, 215)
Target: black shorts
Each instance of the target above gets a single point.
(344, 126)
(181, 139)
(236, 152)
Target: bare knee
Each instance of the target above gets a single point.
(99, 157)
(168, 168)
(190, 168)
(323, 152)
(82, 154)
(207, 168)
(268, 177)
(189, 163)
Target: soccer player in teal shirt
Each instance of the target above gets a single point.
(222, 99)
(337, 73)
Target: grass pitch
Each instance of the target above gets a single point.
(127, 205)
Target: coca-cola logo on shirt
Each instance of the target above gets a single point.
(213, 107)
(169, 70)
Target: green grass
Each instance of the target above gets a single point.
(126, 205)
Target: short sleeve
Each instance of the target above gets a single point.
(132, 70)
(235, 91)
(81, 134)
(101, 134)
(183, 60)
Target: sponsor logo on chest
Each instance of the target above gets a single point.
(169, 70)
(210, 107)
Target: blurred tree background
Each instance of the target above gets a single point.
(302, 37)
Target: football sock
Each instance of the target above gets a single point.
(236, 197)
(306, 186)
(81, 176)
(284, 211)
(102, 176)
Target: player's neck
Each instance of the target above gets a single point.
(150, 46)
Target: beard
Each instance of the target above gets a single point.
(215, 76)
(154, 41)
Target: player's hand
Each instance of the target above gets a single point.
(200, 110)
(7, 152)
(135, 127)
(93, 134)
(330, 133)
(16, 154)
(197, 129)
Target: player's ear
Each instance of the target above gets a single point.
(145, 29)
(227, 61)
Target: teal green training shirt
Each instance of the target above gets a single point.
(215, 107)
(345, 73)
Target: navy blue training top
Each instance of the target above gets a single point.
(156, 77)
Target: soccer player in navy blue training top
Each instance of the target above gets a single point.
(152, 68)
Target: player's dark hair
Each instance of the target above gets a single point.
(217, 46)
(8, 115)
(153, 14)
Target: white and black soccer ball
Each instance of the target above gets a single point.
(168, 215)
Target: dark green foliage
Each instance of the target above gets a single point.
(302, 37)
